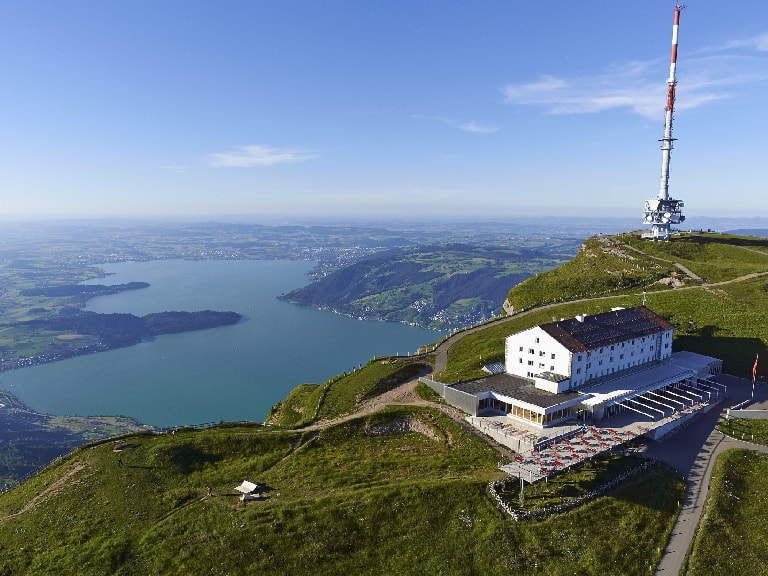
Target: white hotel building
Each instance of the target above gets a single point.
(591, 367)
(570, 354)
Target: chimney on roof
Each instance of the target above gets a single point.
(581, 317)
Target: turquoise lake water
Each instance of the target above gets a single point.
(227, 373)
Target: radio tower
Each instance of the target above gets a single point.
(663, 211)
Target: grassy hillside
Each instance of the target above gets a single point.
(731, 538)
(341, 394)
(403, 490)
(603, 265)
(441, 287)
(359, 498)
(30, 440)
(619, 264)
(713, 257)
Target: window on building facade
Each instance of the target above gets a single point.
(553, 356)
(579, 357)
(537, 340)
(578, 370)
(521, 348)
(541, 352)
(521, 360)
(530, 350)
(530, 362)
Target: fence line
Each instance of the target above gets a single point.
(519, 515)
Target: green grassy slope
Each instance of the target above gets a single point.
(732, 535)
(341, 394)
(713, 257)
(345, 501)
(603, 265)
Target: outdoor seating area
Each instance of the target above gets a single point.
(561, 455)
(574, 445)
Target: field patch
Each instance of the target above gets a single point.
(69, 336)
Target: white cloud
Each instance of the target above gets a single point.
(467, 127)
(472, 127)
(759, 43)
(640, 87)
(590, 94)
(254, 155)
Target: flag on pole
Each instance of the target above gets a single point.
(754, 368)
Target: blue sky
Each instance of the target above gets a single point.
(344, 108)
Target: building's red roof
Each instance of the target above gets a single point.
(600, 330)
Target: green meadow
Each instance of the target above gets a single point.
(355, 498)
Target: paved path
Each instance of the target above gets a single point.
(693, 452)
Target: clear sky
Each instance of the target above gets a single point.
(386, 107)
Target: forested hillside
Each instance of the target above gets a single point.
(442, 287)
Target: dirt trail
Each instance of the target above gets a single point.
(405, 395)
(54, 488)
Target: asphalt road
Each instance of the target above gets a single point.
(693, 452)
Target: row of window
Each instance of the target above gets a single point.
(531, 363)
(541, 352)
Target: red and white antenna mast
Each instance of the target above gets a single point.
(664, 211)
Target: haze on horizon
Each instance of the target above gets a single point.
(340, 108)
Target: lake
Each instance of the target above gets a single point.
(229, 373)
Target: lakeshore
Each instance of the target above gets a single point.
(232, 372)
